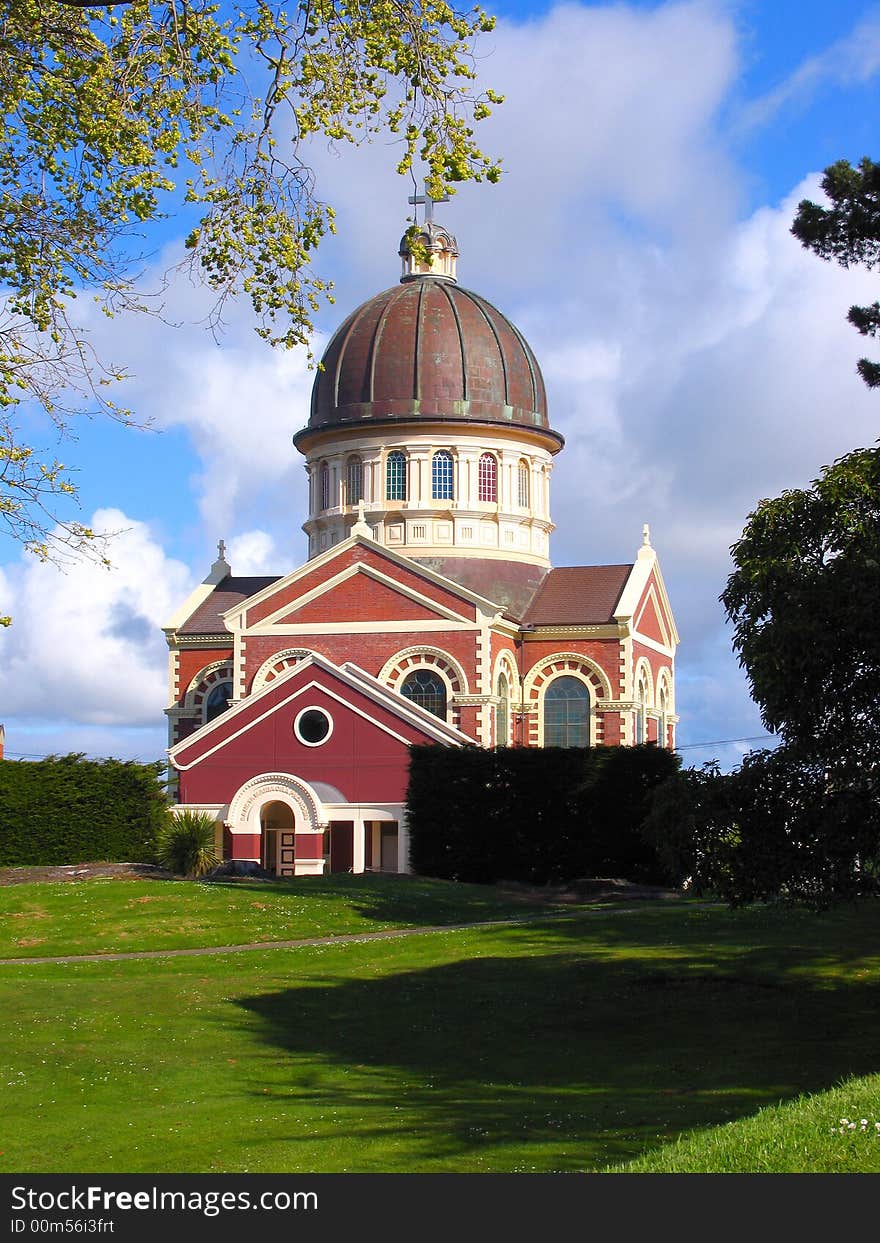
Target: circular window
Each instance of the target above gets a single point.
(313, 726)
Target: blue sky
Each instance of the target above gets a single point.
(696, 358)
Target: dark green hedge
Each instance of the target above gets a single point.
(66, 809)
(534, 815)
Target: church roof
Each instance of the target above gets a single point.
(578, 595)
(231, 590)
(428, 349)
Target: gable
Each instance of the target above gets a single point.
(366, 718)
(362, 593)
(649, 620)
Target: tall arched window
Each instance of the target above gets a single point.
(325, 486)
(442, 476)
(218, 700)
(566, 713)
(487, 478)
(502, 712)
(354, 481)
(522, 485)
(662, 727)
(395, 476)
(642, 714)
(427, 689)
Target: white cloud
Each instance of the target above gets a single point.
(86, 647)
(855, 58)
(254, 552)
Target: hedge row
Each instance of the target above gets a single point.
(534, 815)
(67, 809)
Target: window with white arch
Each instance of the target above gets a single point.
(395, 476)
(325, 486)
(642, 713)
(487, 478)
(522, 484)
(566, 713)
(354, 481)
(425, 687)
(442, 476)
(502, 711)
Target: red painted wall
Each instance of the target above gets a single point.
(361, 760)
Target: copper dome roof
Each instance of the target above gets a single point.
(428, 349)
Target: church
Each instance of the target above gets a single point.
(428, 611)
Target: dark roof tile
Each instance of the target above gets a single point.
(231, 590)
(578, 595)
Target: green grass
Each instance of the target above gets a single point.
(107, 916)
(834, 1132)
(572, 1044)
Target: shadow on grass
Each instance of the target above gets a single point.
(561, 1061)
(397, 898)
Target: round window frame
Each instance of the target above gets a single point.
(299, 716)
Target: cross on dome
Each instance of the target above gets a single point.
(419, 200)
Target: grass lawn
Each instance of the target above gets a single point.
(573, 1044)
(105, 916)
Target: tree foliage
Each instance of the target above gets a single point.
(776, 827)
(115, 117)
(849, 232)
(803, 602)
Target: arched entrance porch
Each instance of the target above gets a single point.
(277, 820)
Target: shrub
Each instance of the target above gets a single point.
(67, 809)
(187, 844)
(537, 815)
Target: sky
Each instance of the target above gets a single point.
(697, 358)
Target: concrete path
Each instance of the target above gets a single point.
(294, 945)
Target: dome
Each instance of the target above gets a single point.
(428, 349)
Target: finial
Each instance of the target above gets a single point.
(362, 527)
(646, 552)
(439, 248)
(419, 200)
(221, 566)
(646, 535)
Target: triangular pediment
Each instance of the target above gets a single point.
(348, 693)
(361, 593)
(355, 581)
(650, 620)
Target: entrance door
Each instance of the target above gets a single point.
(278, 838)
(341, 845)
(388, 853)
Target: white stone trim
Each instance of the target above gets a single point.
(584, 661)
(290, 656)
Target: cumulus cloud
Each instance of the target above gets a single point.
(85, 652)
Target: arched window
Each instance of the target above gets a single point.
(442, 476)
(354, 481)
(325, 486)
(218, 700)
(427, 689)
(642, 714)
(663, 726)
(566, 713)
(487, 478)
(395, 476)
(502, 712)
(522, 485)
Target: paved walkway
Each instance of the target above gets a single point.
(295, 945)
